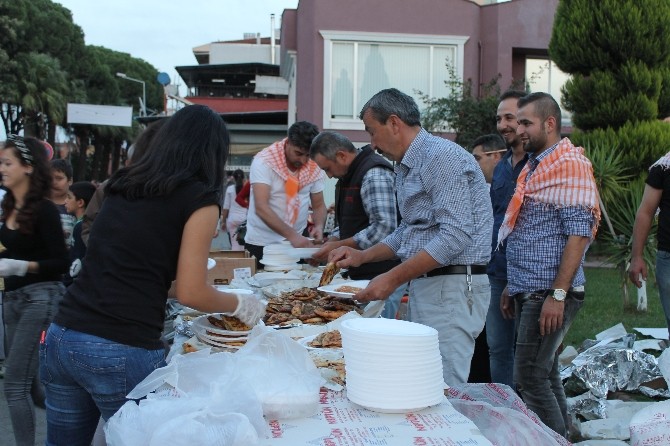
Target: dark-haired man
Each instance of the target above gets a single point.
(284, 181)
(444, 234)
(365, 204)
(549, 224)
(500, 331)
(488, 150)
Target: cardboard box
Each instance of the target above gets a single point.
(230, 265)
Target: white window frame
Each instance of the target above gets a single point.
(329, 37)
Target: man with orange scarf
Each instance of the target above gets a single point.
(550, 221)
(284, 180)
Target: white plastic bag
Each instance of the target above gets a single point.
(198, 399)
(281, 371)
(178, 422)
(502, 416)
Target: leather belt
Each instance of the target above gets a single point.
(456, 269)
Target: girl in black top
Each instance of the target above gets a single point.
(34, 257)
(155, 226)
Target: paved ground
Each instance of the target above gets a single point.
(6, 431)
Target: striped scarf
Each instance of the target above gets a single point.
(564, 178)
(275, 157)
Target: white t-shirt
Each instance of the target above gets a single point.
(236, 212)
(258, 233)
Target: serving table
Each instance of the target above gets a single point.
(343, 423)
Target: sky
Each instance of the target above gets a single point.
(165, 32)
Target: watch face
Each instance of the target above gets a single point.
(559, 295)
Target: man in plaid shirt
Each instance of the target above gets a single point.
(365, 205)
(551, 219)
(444, 238)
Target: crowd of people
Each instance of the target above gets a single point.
(489, 244)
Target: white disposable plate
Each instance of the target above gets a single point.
(225, 289)
(283, 267)
(307, 339)
(220, 339)
(303, 253)
(390, 409)
(202, 324)
(388, 327)
(283, 262)
(211, 263)
(218, 344)
(330, 289)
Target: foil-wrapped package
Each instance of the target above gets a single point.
(588, 406)
(617, 367)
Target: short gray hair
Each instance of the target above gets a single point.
(393, 102)
(327, 144)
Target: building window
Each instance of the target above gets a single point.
(356, 66)
(544, 75)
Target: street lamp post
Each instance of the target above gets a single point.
(143, 110)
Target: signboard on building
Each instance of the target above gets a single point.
(99, 115)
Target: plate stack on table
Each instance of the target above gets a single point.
(391, 365)
(280, 257)
(221, 330)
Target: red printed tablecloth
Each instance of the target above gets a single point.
(340, 422)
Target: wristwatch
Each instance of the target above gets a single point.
(559, 294)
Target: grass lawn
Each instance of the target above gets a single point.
(603, 307)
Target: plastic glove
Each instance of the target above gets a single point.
(249, 309)
(12, 267)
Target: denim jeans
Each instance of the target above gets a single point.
(393, 302)
(536, 371)
(663, 280)
(441, 302)
(85, 377)
(27, 312)
(500, 337)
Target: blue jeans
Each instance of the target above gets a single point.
(393, 302)
(28, 312)
(536, 371)
(500, 337)
(85, 377)
(663, 280)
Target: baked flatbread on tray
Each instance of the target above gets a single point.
(328, 274)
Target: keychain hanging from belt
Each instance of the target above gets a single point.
(468, 291)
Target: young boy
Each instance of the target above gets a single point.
(77, 199)
(61, 172)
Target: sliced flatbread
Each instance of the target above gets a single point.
(328, 274)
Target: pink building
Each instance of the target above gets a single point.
(337, 54)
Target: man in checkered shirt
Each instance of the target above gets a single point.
(551, 219)
(443, 239)
(365, 205)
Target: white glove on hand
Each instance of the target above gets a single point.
(249, 309)
(12, 267)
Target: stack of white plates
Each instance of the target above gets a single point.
(392, 365)
(280, 257)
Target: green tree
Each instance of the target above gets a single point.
(468, 114)
(616, 52)
(43, 46)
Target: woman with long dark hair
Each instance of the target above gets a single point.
(33, 259)
(232, 214)
(155, 226)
